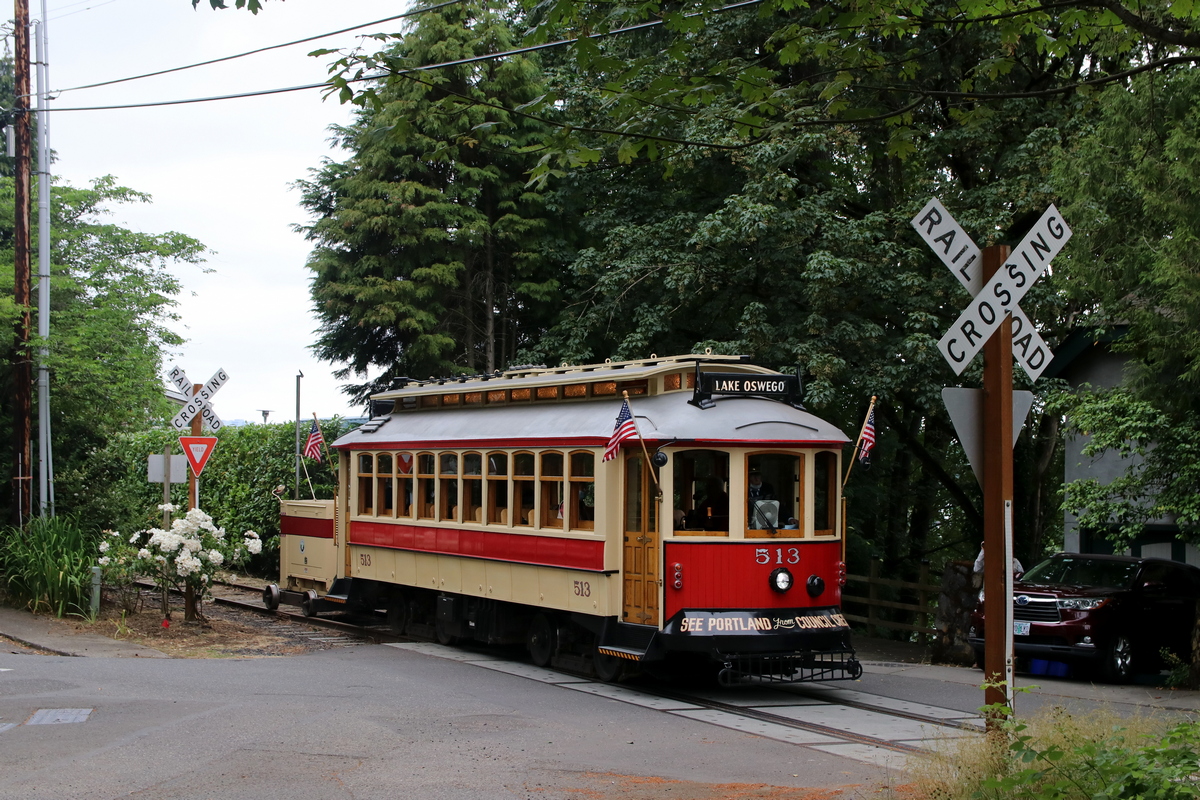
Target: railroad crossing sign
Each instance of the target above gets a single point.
(198, 449)
(198, 402)
(1000, 296)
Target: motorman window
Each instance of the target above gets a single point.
(825, 494)
(774, 495)
(701, 493)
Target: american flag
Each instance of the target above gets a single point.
(315, 441)
(624, 429)
(867, 439)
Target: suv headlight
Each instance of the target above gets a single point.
(1082, 603)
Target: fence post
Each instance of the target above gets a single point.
(872, 596)
(95, 592)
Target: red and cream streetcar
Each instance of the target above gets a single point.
(482, 508)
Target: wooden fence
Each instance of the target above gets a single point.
(923, 611)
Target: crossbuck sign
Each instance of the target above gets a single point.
(198, 402)
(1003, 291)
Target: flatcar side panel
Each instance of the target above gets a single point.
(499, 578)
(736, 575)
(585, 552)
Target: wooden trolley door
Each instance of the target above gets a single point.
(641, 556)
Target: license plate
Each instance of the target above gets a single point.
(1020, 629)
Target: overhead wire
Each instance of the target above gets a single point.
(381, 75)
(415, 12)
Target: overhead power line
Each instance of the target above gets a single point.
(423, 10)
(381, 75)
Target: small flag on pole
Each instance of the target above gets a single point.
(315, 442)
(624, 429)
(867, 439)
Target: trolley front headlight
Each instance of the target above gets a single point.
(781, 580)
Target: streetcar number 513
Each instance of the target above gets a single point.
(783, 555)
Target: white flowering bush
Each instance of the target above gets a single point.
(184, 556)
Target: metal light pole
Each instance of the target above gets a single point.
(45, 451)
(299, 375)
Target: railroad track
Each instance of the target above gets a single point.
(248, 598)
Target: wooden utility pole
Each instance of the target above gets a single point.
(997, 496)
(22, 365)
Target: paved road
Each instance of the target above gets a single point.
(430, 722)
(361, 722)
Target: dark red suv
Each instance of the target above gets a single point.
(1112, 613)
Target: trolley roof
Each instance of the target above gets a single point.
(661, 408)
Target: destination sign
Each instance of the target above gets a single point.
(742, 383)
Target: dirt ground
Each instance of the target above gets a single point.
(224, 633)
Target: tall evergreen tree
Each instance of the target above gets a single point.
(426, 258)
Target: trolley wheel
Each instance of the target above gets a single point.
(397, 616)
(542, 640)
(441, 630)
(309, 604)
(270, 596)
(608, 668)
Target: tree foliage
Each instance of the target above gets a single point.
(426, 258)
(1133, 184)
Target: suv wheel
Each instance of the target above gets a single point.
(1117, 664)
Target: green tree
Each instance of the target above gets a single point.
(112, 299)
(1133, 186)
(426, 258)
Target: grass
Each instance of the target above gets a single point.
(47, 566)
(1064, 756)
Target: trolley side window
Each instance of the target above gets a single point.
(448, 483)
(426, 486)
(472, 485)
(582, 514)
(404, 484)
(701, 493)
(774, 495)
(552, 490)
(497, 488)
(366, 483)
(385, 486)
(825, 494)
(524, 481)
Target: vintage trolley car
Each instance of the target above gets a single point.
(481, 508)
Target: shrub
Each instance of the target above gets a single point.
(47, 566)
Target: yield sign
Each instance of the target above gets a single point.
(198, 449)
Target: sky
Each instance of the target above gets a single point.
(219, 171)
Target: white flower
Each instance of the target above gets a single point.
(133, 539)
(103, 561)
(204, 579)
(143, 553)
(215, 557)
(104, 547)
(113, 533)
(168, 507)
(254, 546)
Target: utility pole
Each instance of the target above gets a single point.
(22, 369)
(45, 449)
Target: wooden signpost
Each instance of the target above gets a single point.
(997, 278)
